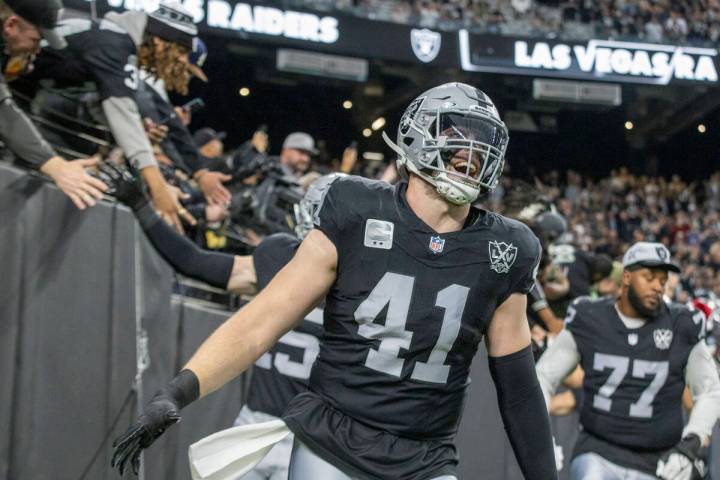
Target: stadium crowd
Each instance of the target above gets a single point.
(606, 215)
(695, 22)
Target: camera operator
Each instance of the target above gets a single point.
(297, 150)
(24, 24)
(108, 54)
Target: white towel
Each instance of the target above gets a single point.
(231, 453)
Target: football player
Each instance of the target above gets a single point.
(24, 25)
(414, 278)
(108, 54)
(583, 269)
(638, 353)
(525, 203)
(277, 376)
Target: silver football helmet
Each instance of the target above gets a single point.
(307, 207)
(452, 137)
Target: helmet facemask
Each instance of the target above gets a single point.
(462, 151)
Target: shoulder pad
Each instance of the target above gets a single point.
(688, 318)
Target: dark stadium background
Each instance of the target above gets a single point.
(592, 140)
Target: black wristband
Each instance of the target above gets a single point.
(184, 388)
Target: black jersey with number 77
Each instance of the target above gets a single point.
(409, 306)
(634, 377)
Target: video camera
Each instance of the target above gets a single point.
(268, 205)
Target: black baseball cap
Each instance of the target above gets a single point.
(44, 14)
(206, 135)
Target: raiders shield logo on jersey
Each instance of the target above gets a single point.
(502, 256)
(425, 44)
(663, 338)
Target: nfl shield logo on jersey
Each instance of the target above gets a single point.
(502, 256)
(425, 44)
(437, 244)
(663, 338)
(632, 339)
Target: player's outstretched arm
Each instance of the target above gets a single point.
(291, 295)
(519, 395)
(237, 343)
(221, 270)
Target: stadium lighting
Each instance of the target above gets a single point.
(629, 125)
(378, 123)
(347, 104)
(701, 128)
(373, 156)
(244, 92)
(367, 132)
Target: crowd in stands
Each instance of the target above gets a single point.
(607, 215)
(656, 21)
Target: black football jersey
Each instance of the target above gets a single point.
(578, 263)
(578, 266)
(634, 378)
(409, 306)
(284, 370)
(99, 56)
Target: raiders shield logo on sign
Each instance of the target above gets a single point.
(502, 256)
(663, 338)
(425, 44)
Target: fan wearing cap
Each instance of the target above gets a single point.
(297, 150)
(24, 24)
(105, 56)
(638, 353)
(179, 144)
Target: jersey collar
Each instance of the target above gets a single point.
(477, 217)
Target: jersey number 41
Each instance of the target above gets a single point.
(395, 291)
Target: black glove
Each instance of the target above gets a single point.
(128, 189)
(162, 412)
(684, 461)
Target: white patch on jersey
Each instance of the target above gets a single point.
(379, 234)
(663, 338)
(502, 256)
(632, 339)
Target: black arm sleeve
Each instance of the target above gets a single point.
(524, 414)
(187, 258)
